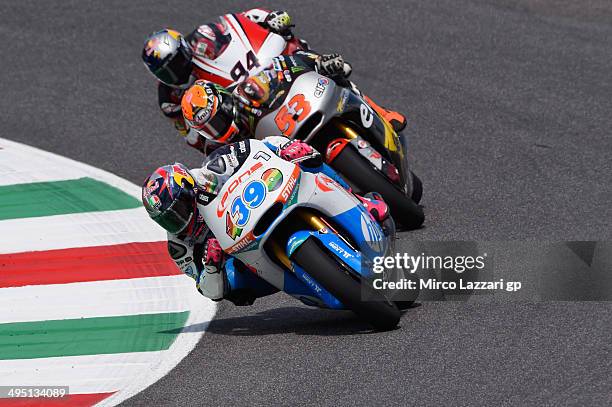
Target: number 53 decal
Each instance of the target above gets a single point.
(290, 114)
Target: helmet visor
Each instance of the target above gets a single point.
(178, 68)
(220, 127)
(178, 216)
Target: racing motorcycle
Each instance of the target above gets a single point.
(339, 123)
(242, 48)
(301, 232)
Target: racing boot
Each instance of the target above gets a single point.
(379, 210)
(395, 119)
(375, 204)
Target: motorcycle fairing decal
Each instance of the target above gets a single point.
(273, 178)
(209, 76)
(323, 182)
(291, 113)
(241, 34)
(392, 142)
(378, 128)
(342, 101)
(292, 183)
(252, 196)
(369, 236)
(293, 197)
(206, 66)
(222, 206)
(341, 250)
(231, 229)
(244, 244)
(254, 32)
(328, 299)
(303, 292)
(241, 58)
(365, 149)
(296, 240)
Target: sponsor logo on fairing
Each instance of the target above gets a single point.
(273, 178)
(342, 102)
(291, 183)
(312, 283)
(321, 86)
(340, 250)
(324, 183)
(372, 234)
(222, 205)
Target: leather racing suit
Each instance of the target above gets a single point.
(169, 98)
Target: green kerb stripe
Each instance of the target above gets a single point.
(61, 197)
(90, 336)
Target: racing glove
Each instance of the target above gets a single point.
(210, 282)
(332, 65)
(296, 151)
(279, 22)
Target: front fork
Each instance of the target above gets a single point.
(321, 230)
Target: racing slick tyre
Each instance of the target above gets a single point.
(406, 304)
(417, 188)
(360, 173)
(322, 266)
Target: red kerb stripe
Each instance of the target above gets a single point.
(124, 261)
(76, 400)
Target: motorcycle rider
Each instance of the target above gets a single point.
(215, 116)
(174, 195)
(169, 57)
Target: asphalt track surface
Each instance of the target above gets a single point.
(510, 106)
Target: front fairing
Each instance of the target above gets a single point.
(377, 131)
(305, 103)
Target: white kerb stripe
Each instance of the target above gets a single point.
(35, 162)
(134, 296)
(78, 230)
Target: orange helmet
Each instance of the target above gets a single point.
(209, 110)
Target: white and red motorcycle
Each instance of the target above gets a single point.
(301, 232)
(245, 49)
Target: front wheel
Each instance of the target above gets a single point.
(321, 265)
(359, 172)
(417, 188)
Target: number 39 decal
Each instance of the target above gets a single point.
(253, 195)
(290, 114)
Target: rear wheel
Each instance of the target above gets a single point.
(321, 265)
(360, 173)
